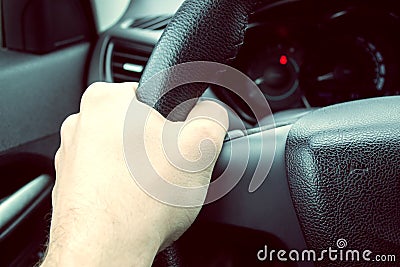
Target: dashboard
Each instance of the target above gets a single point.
(301, 54)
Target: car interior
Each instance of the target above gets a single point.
(329, 71)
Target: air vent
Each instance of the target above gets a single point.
(128, 60)
(152, 23)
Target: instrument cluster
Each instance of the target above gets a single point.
(310, 54)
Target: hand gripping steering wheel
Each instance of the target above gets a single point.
(336, 171)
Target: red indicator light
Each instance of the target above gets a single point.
(283, 60)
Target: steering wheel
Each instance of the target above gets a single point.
(336, 172)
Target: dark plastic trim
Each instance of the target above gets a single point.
(15, 208)
(42, 26)
(270, 208)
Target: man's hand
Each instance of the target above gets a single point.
(100, 215)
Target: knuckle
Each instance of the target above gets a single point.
(211, 131)
(57, 157)
(68, 123)
(204, 128)
(103, 96)
(54, 195)
(95, 87)
(94, 92)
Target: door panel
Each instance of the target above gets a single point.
(38, 92)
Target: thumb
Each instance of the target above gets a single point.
(203, 132)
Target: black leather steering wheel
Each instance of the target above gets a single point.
(336, 174)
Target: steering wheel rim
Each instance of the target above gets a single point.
(188, 38)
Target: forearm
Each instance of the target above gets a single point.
(101, 214)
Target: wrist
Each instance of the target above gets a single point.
(102, 248)
(141, 255)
